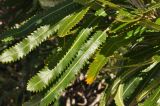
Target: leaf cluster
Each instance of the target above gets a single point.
(96, 32)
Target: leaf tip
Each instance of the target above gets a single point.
(89, 80)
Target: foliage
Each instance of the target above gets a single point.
(96, 32)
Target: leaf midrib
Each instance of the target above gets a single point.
(71, 69)
(26, 44)
(68, 51)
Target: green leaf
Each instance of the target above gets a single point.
(37, 82)
(46, 75)
(103, 98)
(153, 98)
(158, 21)
(101, 12)
(151, 71)
(150, 25)
(26, 45)
(70, 21)
(47, 17)
(156, 58)
(153, 84)
(94, 68)
(110, 4)
(83, 55)
(130, 87)
(120, 79)
(119, 96)
(125, 16)
(152, 79)
(111, 45)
